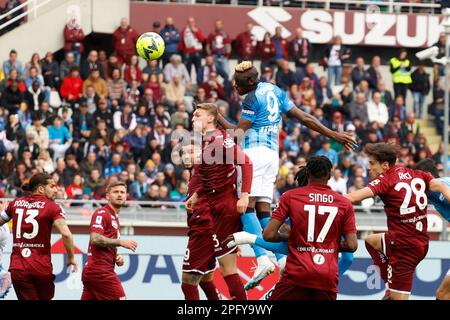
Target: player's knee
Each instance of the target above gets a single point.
(227, 268)
(190, 278)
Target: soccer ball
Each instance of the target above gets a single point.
(150, 46)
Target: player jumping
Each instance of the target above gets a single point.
(100, 282)
(261, 114)
(398, 251)
(33, 217)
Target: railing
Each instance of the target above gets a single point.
(30, 11)
(391, 5)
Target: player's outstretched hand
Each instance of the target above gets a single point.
(129, 244)
(347, 140)
(191, 202)
(74, 263)
(242, 203)
(3, 205)
(119, 260)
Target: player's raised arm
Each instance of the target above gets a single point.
(359, 195)
(312, 123)
(271, 231)
(439, 186)
(61, 226)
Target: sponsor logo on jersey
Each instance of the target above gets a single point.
(248, 111)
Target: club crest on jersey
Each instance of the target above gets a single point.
(228, 143)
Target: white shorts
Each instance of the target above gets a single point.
(265, 169)
(4, 235)
(448, 273)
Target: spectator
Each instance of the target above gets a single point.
(180, 117)
(143, 118)
(66, 65)
(401, 73)
(373, 74)
(171, 36)
(152, 194)
(132, 71)
(13, 63)
(281, 45)
(32, 77)
(153, 84)
(24, 115)
(40, 133)
(191, 44)
(111, 64)
(7, 166)
(285, 77)
(124, 41)
(89, 164)
(90, 64)
(246, 44)
(219, 46)
(308, 101)
(148, 100)
(99, 84)
(308, 72)
(377, 110)
(179, 193)
(75, 189)
(328, 152)
(12, 97)
(34, 96)
(209, 68)
(363, 88)
(94, 181)
(398, 109)
(323, 92)
(438, 68)
(267, 52)
(83, 123)
(103, 113)
(45, 161)
(175, 67)
(16, 179)
(358, 184)
(125, 120)
(137, 140)
(335, 55)
(35, 61)
(358, 72)
(73, 39)
(162, 116)
(153, 68)
(72, 87)
(300, 50)
(420, 87)
(50, 71)
(30, 144)
(14, 76)
(213, 89)
(59, 138)
(114, 166)
(337, 183)
(140, 186)
(358, 108)
(117, 87)
(267, 75)
(386, 95)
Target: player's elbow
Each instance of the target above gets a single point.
(270, 235)
(352, 246)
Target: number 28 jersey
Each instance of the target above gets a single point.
(404, 194)
(33, 217)
(263, 108)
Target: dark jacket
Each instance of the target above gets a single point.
(420, 82)
(344, 50)
(300, 48)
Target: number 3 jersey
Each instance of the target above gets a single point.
(263, 107)
(404, 194)
(319, 217)
(33, 218)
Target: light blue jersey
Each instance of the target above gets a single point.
(263, 107)
(439, 202)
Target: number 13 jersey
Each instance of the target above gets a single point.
(404, 194)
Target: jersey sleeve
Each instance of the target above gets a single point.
(379, 185)
(58, 212)
(7, 214)
(427, 177)
(286, 103)
(98, 222)
(349, 225)
(281, 213)
(249, 107)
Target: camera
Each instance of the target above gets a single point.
(430, 53)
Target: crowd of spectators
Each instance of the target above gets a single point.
(96, 117)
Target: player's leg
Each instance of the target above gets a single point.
(109, 288)
(189, 285)
(23, 286)
(443, 292)
(87, 294)
(45, 286)
(376, 246)
(228, 268)
(208, 287)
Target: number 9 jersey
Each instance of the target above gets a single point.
(263, 107)
(404, 194)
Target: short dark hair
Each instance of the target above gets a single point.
(383, 152)
(115, 184)
(39, 179)
(317, 167)
(427, 165)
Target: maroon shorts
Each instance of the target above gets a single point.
(33, 287)
(285, 290)
(199, 256)
(226, 219)
(107, 288)
(402, 263)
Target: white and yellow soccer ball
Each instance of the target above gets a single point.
(150, 46)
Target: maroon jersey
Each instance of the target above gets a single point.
(404, 194)
(100, 260)
(218, 40)
(220, 155)
(200, 220)
(246, 44)
(319, 217)
(33, 217)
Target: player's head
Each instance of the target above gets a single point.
(43, 184)
(382, 156)
(116, 193)
(245, 77)
(205, 117)
(427, 165)
(187, 155)
(317, 169)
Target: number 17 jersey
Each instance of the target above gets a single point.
(404, 194)
(263, 107)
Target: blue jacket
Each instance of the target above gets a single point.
(171, 36)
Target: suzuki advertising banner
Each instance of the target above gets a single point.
(364, 28)
(154, 271)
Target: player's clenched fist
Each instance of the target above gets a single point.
(129, 244)
(119, 260)
(242, 203)
(191, 202)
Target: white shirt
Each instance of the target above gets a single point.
(334, 60)
(4, 235)
(339, 185)
(378, 113)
